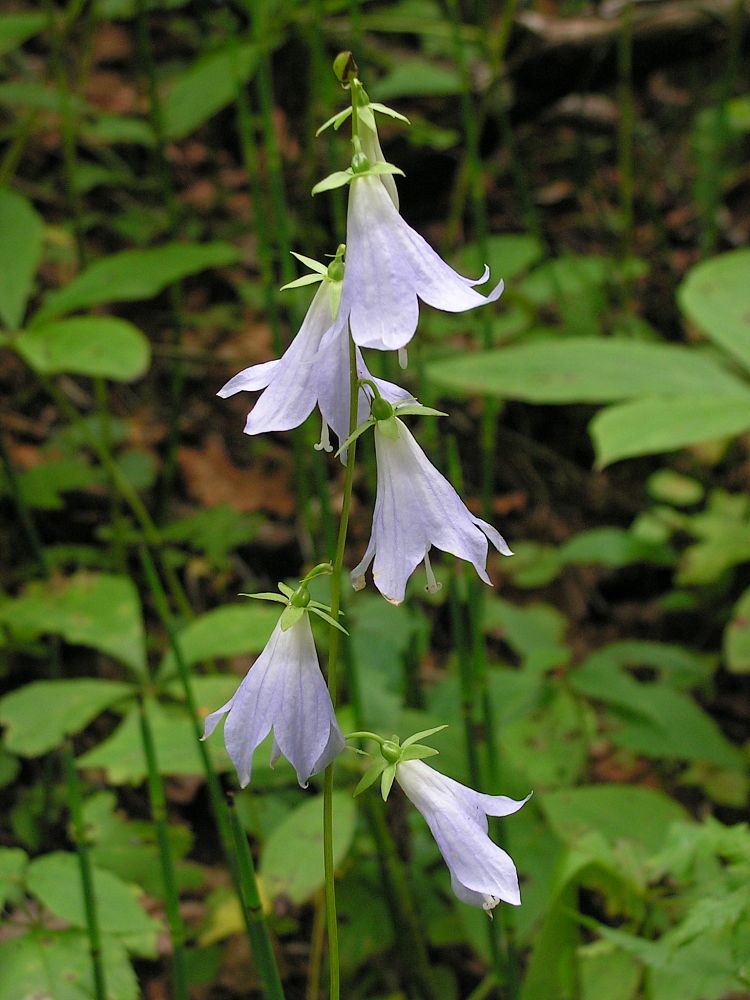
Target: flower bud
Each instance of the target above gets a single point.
(381, 409)
(360, 163)
(391, 751)
(300, 598)
(345, 68)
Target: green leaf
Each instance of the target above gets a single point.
(714, 297)
(87, 609)
(423, 735)
(620, 813)
(67, 707)
(233, 630)
(310, 262)
(651, 426)
(291, 864)
(587, 370)
(134, 275)
(605, 971)
(129, 847)
(386, 781)
(418, 752)
(20, 253)
(55, 880)
(508, 255)
(13, 863)
(42, 486)
(206, 87)
(56, 965)
(668, 486)
(121, 754)
(15, 29)
(528, 630)
(101, 346)
(737, 637)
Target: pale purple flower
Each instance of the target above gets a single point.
(482, 874)
(309, 375)
(415, 508)
(389, 266)
(284, 690)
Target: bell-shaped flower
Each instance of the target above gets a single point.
(308, 374)
(390, 267)
(283, 691)
(482, 874)
(415, 508)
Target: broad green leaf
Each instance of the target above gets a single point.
(206, 87)
(87, 609)
(613, 547)
(42, 486)
(55, 880)
(133, 275)
(15, 29)
(13, 863)
(654, 425)
(291, 865)
(737, 637)
(47, 964)
(565, 277)
(714, 296)
(528, 629)
(668, 486)
(20, 253)
(176, 746)
(587, 370)
(86, 345)
(66, 706)
(630, 813)
(233, 630)
(548, 744)
(605, 971)
(417, 78)
(129, 847)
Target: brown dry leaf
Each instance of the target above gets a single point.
(212, 478)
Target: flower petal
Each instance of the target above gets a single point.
(388, 266)
(250, 379)
(305, 726)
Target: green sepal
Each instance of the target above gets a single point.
(310, 262)
(418, 752)
(389, 428)
(266, 597)
(353, 437)
(335, 180)
(323, 607)
(286, 589)
(423, 735)
(381, 167)
(334, 295)
(418, 409)
(336, 120)
(367, 118)
(386, 782)
(325, 617)
(369, 777)
(306, 279)
(290, 617)
(385, 110)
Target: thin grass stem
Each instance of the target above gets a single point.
(171, 895)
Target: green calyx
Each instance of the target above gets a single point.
(298, 602)
(381, 409)
(345, 69)
(335, 270)
(392, 754)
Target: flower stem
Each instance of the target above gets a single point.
(333, 651)
(262, 947)
(171, 894)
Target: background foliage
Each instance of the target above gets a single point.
(157, 162)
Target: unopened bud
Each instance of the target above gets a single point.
(391, 751)
(381, 409)
(300, 598)
(360, 163)
(345, 68)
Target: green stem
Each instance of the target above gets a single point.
(410, 944)
(71, 777)
(256, 930)
(171, 894)
(333, 651)
(262, 947)
(169, 198)
(317, 944)
(625, 129)
(75, 803)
